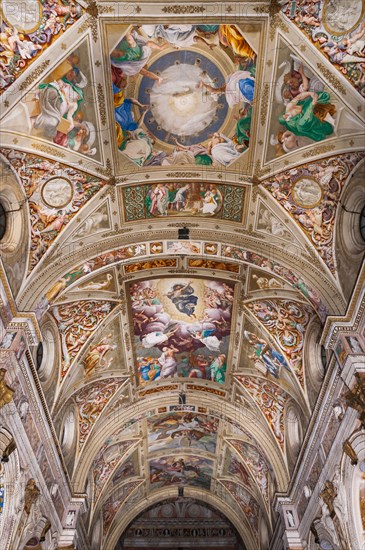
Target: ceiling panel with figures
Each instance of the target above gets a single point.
(180, 360)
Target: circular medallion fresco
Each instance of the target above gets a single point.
(307, 192)
(180, 108)
(57, 192)
(341, 17)
(24, 16)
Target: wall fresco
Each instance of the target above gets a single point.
(274, 267)
(112, 505)
(305, 110)
(91, 401)
(287, 321)
(258, 351)
(246, 502)
(236, 468)
(61, 109)
(105, 461)
(271, 400)
(77, 321)
(256, 463)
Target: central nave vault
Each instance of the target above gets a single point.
(178, 179)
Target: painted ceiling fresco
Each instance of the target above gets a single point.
(184, 199)
(304, 109)
(181, 109)
(27, 29)
(178, 359)
(174, 430)
(61, 109)
(337, 30)
(183, 470)
(181, 328)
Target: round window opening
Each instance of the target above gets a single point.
(362, 223)
(2, 221)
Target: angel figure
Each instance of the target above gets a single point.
(95, 357)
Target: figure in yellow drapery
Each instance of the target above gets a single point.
(230, 36)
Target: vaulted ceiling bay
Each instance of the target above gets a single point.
(181, 374)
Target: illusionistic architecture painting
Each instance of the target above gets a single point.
(182, 276)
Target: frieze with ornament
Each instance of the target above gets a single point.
(271, 400)
(91, 401)
(246, 502)
(256, 463)
(54, 192)
(311, 194)
(28, 29)
(77, 321)
(287, 322)
(337, 30)
(226, 251)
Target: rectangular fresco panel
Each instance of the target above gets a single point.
(183, 199)
(182, 429)
(182, 328)
(183, 470)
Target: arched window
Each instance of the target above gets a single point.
(46, 355)
(362, 223)
(39, 356)
(68, 431)
(323, 357)
(2, 221)
(2, 495)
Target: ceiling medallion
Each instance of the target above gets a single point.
(340, 18)
(25, 16)
(307, 192)
(57, 192)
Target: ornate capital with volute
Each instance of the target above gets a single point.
(6, 392)
(355, 398)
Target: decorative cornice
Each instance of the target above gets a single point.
(48, 150)
(34, 75)
(181, 9)
(332, 79)
(93, 11)
(264, 104)
(101, 102)
(184, 175)
(319, 150)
